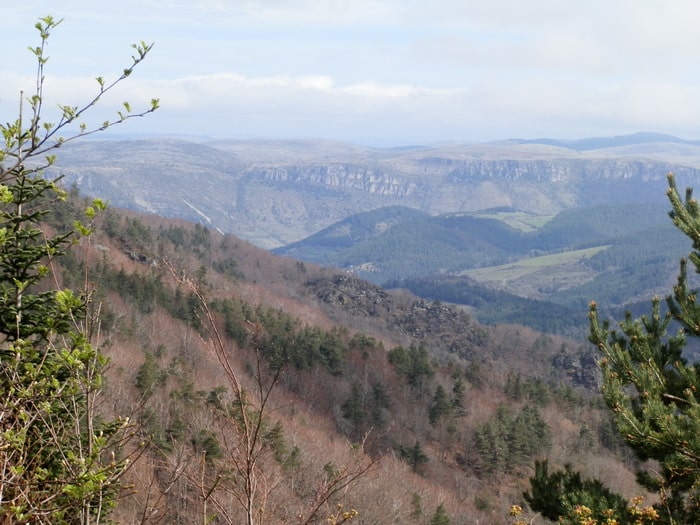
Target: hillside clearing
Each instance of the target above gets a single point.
(524, 267)
(523, 221)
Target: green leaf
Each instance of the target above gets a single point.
(82, 230)
(67, 300)
(6, 196)
(99, 204)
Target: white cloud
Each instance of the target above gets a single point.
(407, 68)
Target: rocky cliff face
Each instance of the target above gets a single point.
(272, 194)
(357, 176)
(557, 170)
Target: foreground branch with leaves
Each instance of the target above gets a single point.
(60, 462)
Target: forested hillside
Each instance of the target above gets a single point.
(427, 391)
(374, 243)
(438, 409)
(508, 266)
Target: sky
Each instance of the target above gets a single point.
(375, 72)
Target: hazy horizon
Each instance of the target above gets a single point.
(380, 72)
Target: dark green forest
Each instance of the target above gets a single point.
(639, 250)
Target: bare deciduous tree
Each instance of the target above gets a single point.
(246, 472)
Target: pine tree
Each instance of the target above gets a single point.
(505, 442)
(458, 390)
(491, 442)
(559, 493)
(59, 462)
(354, 411)
(414, 456)
(440, 517)
(440, 406)
(651, 389)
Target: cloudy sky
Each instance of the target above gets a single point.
(384, 72)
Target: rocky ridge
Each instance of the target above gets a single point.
(274, 193)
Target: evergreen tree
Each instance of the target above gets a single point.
(514, 386)
(458, 390)
(441, 405)
(491, 440)
(380, 404)
(416, 506)
(559, 493)
(353, 410)
(440, 517)
(651, 389)
(505, 442)
(59, 462)
(412, 363)
(414, 456)
(654, 394)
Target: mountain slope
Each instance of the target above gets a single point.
(275, 193)
(361, 365)
(323, 246)
(419, 245)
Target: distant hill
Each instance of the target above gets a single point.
(581, 227)
(412, 244)
(405, 243)
(328, 246)
(617, 255)
(274, 193)
(593, 143)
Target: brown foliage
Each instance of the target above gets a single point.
(175, 479)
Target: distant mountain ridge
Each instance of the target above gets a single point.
(273, 193)
(593, 143)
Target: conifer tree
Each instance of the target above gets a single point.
(440, 517)
(652, 390)
(440, 406)
(59, 462)
(557, 494)
(414, 456)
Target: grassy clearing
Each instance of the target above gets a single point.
(510, 271)
(523, 221)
